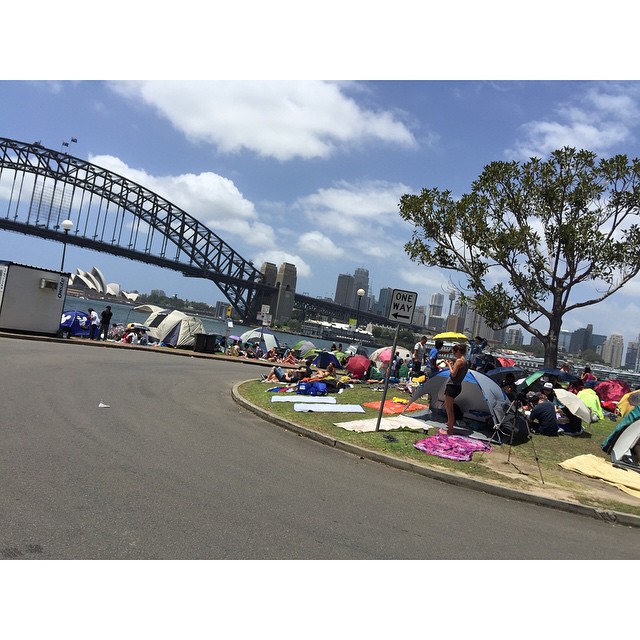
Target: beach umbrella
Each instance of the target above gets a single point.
(500, 373)
(384, 354)
(358, 366)
(574, 404)
(450, 335)
(479, 393)
(559, 374)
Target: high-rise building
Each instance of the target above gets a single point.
(514, 337)
(436, 305)
(286, 283)
(344, 290)
(581, 340)
(631, 357)
(612, 350)
(384, 302)
(361, 281)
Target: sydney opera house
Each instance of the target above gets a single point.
(93, 283)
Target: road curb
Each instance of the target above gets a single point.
(613, 517)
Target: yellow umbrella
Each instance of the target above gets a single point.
(451, 335)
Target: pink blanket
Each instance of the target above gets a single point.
(451, 447)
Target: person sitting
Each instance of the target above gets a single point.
(509, 386)
(271, 355)
(588, 378)
(542, 418)
(590, 398)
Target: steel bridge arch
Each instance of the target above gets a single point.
(115, 215)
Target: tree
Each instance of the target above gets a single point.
(591, 356)
(535, 240)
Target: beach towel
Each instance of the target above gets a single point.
(335, 408)
(594, 467)
(391, 407)
(294, 397)
(451, 447)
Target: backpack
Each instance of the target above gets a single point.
(311, 388)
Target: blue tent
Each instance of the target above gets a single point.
(324, 359)
(75, 323)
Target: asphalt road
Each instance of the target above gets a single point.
(175, 469)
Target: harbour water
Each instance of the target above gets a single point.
(126, 313)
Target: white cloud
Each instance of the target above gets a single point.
(283, 120)
(596, 119)
(318, 244)
(213, 200)
(277, 257)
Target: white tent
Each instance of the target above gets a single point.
(266, 338)
(172, 328)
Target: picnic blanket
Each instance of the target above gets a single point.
(386, 424)
(295, 397)
(391, 407)
(335, 408)
(592, 466)
(451, 447)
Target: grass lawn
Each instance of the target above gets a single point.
(515, 466)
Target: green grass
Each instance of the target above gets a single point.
(521, 472)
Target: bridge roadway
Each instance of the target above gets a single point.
(175, 469)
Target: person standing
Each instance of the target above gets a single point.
(457, 371)
(94, 322)
(419, 356)
(433, 358)
(105, 323)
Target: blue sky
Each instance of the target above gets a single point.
(311, 171)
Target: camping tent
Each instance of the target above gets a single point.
(611, 390)
(324, 359)
(265, 338)
(75, 323)
(478, 399)
(622, 443)
(172, 328)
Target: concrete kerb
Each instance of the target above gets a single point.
(614, 517)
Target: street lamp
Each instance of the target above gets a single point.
(67, 225)
(359, 293)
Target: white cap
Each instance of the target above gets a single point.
(548, 385)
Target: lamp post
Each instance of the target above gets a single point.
(360, 293)
(67, 225)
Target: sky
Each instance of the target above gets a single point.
(311, 171)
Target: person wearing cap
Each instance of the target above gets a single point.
(542, 418)
(547, 389)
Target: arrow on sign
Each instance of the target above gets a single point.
(398, 315)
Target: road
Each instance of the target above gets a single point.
(175, 469)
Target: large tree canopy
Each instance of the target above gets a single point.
(534, 240)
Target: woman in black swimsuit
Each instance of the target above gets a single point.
(458, 371)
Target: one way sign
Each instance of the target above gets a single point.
(403, 305)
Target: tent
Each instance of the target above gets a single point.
(628, 402)
(324, 359)
(75, 323)
(264, 337)
(611, 390)
(477, 401)
(172, 328)
(623, 444)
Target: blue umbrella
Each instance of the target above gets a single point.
(500, 373)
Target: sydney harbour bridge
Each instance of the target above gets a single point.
(40, 188)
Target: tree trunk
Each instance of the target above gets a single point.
(551, 344)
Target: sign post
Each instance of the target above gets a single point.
(401, 310)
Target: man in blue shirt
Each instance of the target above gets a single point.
(542, 418)
(433, 358)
